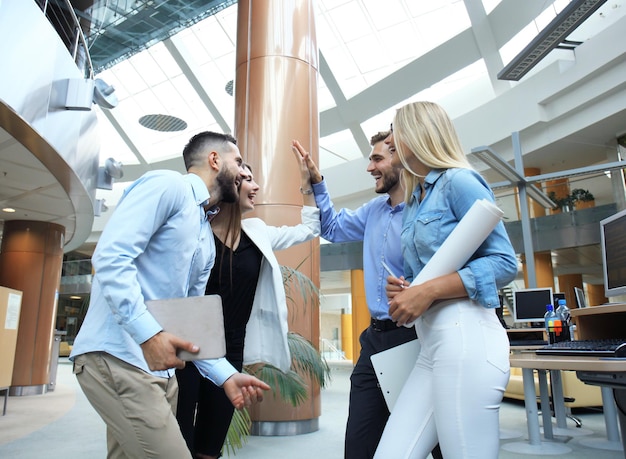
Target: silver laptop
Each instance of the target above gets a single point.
(199, 319)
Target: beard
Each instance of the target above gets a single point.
(388, 181)
(226, 184)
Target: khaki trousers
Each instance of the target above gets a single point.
(138, 408)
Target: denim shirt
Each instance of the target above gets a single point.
(449, 194)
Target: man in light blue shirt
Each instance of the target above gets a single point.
(158, 244)
(377, 224)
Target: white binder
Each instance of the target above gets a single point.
(393, 367)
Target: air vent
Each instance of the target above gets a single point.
(163, 123)
(229, 87)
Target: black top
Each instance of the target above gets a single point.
(237, 294)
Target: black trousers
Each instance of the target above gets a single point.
(204, 411)
(368, 413)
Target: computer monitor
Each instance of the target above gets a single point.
(500, 312)
(613, 244)
(581, 301)
(556, 297)
(530, 304)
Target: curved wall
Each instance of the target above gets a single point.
(64, 143)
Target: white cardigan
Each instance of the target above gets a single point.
(266, 331)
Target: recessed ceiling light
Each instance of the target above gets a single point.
(75, 297)
(8, 210)
(163, 123)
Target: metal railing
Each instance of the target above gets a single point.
(331, 352)
(76, 268)
(63, 18)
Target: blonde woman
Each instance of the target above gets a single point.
(454, 392)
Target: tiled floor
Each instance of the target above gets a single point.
(61, 424)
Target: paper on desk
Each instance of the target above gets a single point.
(462, 242)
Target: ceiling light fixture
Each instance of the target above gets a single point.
(8, 210)
(493, 160)
(99, 206)
(552, 36)
(229, 87)
(103, 94)
(106, 174)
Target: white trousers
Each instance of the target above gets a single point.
(453, 394)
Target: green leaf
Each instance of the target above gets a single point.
(298, 286)
(238, 432)
(307, 360)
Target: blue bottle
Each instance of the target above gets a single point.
(566, 320)
(553, 325)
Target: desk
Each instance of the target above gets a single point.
(529, 361)
(596, 322)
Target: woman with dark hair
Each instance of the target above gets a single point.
(247, 276)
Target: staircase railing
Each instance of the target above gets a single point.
(330, 351)
(69, 28)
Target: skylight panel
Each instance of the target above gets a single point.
(164, 60)
(386, 13)
(402, 43)
(350, 21)
(148, 69)
(431, 24)
(128, 77)
(368, 54)
(338, 148)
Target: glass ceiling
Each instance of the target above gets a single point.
(362, 42)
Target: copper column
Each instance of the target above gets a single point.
(275, 102)
(30, 261)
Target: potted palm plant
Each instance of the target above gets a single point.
(307, 364)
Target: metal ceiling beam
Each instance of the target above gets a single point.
(117, 125)
(340, 101)
(193, 74)
(493, 160)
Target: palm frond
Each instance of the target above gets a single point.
(299, 286)
(306, 359)
(288, 385)
(238, 432)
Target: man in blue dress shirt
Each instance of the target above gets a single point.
(158, 244)
(377, 224)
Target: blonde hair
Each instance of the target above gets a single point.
(424, 130)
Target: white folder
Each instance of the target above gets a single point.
(199, 319)
(393, 367)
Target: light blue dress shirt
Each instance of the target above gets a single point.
(157, 244)
(378, 225)
(449, 195)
